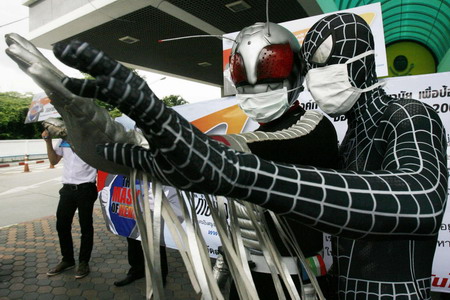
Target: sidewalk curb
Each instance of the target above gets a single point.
(21, 163)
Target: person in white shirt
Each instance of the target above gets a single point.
(79, 191)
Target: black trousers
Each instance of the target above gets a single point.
(71, 198)
(137, 261)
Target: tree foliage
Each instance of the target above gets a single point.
(114, 112)
(13, 110)
(174, 100)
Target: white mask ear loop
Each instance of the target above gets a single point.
(358, 57)
(291, 90)
(288, 91)
(372, 87)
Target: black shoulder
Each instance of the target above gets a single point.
(411, 114)
(408, 107)
(326, 128)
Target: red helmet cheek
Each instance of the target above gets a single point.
(275, 62)
(237, 69)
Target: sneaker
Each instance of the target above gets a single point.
(62, 266)
(83, 270)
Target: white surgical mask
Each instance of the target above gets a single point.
(331, 89)
(264, 107)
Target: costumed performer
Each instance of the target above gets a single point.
(266, 70)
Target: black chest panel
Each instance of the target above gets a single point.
(319, 148)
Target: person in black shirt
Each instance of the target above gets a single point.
(266, 70)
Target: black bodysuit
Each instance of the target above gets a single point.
(319, 147)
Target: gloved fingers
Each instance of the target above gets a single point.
(14, 38)
(129, 155)
(126, 98)
(24, 53)
(23, 58)
(83, 87)
(35, 65)
(51, 84)
(84, 57)
(14, 52)
(89, 88)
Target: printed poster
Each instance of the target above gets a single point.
(40, 109)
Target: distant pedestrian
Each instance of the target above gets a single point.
(79, 191)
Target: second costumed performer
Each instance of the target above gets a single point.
(266, 70)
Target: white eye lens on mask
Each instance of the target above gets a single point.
(264, 107)
(331, 89)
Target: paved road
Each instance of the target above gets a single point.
(26, 196)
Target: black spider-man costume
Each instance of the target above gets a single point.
(384, 136)
(384, 207)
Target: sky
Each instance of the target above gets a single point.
(14, 18)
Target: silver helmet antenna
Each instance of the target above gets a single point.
(267, 18)
(196, 36)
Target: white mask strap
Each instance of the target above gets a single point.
(372, 87)
(288, 91)
(358, 57)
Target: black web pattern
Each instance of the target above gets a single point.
(366, 289)
(391, 136)
(385, 207)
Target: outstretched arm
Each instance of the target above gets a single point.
(86, 123)
(405, 197)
